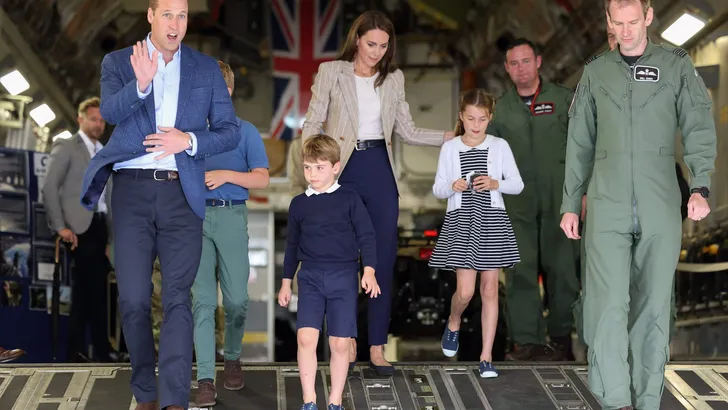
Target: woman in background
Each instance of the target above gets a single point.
(361, 100)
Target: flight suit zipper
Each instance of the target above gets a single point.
(635, 222)
(531, 111)
(533, 156)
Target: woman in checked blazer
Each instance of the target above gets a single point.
(359, 100)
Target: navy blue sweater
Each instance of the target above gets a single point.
(328, 231)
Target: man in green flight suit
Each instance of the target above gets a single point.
(685, 195)
(533, 117)
(627, 108)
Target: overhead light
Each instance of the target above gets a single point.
(14, 82)
(64, 135)
(683, 29)
(42, 115)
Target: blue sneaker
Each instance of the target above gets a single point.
(309, 406)
(487, 370)
(335, 407)
(450, 342)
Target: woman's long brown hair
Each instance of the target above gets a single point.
(477, 97)
(371, 20)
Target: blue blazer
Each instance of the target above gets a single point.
(203, 96)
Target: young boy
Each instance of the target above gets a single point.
(328, 227)
(228, 177)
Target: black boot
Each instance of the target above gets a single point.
(562, 345)
(532, 353)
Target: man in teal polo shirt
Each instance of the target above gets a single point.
(228, 177)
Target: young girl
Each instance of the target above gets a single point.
(474, 171)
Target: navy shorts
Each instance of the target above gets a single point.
(330, 293)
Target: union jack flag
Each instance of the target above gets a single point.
(304, 34)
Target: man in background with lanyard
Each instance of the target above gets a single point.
(533, 117)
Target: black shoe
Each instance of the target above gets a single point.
(353, 364)
(384, 371)
(563, 348)
(533, 353)
(78, 358)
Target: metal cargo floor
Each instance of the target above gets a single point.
(415, 386)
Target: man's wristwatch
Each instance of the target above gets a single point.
(189, 141)
(703, 191)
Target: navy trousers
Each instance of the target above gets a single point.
(153, 218)
(369, 173)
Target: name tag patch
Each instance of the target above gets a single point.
(543, 108)
(646, 73)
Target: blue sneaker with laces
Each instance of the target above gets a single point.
(309, 406)
(450, 342)
(487, 370)
(335, 407)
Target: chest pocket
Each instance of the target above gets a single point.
(196, 107)
(606, 99)
(652, 95)
(513, 122)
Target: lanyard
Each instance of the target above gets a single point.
(533, 101)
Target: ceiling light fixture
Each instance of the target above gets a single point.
(683, 29)
(42, 115)
(14, 82)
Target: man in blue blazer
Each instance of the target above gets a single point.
(172, 110)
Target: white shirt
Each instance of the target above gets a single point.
(310, 191)
(370, 108)
(93, 147)
(501, 167)
(165, 86)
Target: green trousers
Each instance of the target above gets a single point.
(629, 280)
(224, 254)
(579, 304)
(578, 307)
(541, 241)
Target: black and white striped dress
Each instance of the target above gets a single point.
(477, 235)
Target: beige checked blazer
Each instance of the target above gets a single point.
(333, 110)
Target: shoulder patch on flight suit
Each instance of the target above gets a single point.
(679, 52)
(594, 57)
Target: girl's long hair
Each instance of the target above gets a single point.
(477, 97)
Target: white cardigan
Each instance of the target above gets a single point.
(501, 167)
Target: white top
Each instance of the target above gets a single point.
(501, 167)
(93, 147)
(370, 108)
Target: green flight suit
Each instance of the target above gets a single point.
(537, 137)
(622, 132)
